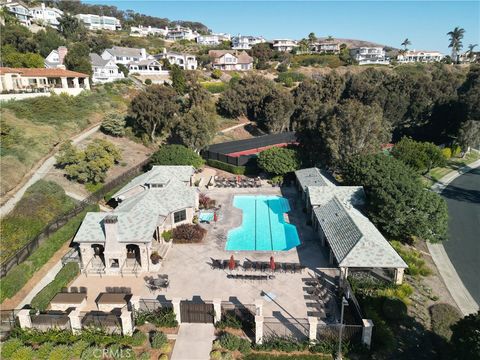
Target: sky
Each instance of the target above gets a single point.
(425, 23)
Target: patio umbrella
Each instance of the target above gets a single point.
(215, 216)
(231, 263)
(272, 263)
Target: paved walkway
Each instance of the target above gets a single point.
(457, 289)
(194, 342)
(40, 173)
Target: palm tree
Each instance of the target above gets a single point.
(470, 50)
(405, 43)
(456, 36)
(312, 37)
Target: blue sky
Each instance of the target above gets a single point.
(425, 23)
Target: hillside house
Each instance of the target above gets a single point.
(370, 55)
(284, 45)
(20, 11)
(414, 56)
(99, 22)
(121, 242)
(213, 39)
(56, 57)
(104, 70)
(125, 55)
(240, 42)
(146, 67)
(184, 61)
(181, 33)
(325, 47)
(45, 15)
(231, 60)
(143, 31)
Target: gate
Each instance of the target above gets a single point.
(7, 323)
(191, 312)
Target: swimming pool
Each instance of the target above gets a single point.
(263, 226)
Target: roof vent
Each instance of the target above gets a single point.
(111, 219)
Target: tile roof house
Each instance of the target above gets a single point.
(104, 70)
(121, 242)
(353, 240)
(231, 60)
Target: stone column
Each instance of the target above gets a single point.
(259, 307)
(24, 319)
(312, 331)
(64, 83)
(217, 308)
(75, 83)
(399, 275)
(75, 321)
(135, 302)
(86, 82)
(258, 329)
(367, 332)
(176, 309)
(127, 322)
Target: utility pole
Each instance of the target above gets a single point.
(339, 353)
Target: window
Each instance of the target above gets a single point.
(180, 216)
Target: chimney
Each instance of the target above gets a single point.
(143, 53)
(62, 51)
(111, 228)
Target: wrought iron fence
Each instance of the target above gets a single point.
(331, 332)
(94, 198)
(296, 328)
(50, 320)
(153, 304)
(109, 322)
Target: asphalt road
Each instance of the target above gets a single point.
(463, 247)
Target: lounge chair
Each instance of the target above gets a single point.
(247, 265)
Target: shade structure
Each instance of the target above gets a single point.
(272, 263)
(231, 263)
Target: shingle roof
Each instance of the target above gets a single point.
(97, 60)
(124, 51)
(42, 72)
(311, 177)
(348, 195)
(242, 57)
(354, 240)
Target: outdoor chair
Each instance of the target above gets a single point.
(73, 289)
(288, 267)
(247, 265)
(83, 289)
(297, 268)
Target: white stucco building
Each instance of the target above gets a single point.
(125, 55)
(284, 45)
(181, 33)
(143, 31)
(326, 47)
(121, 242)
(146, 67)
(240, 42)
(184, 61)
(413, 56)
(231, 60)
(370, 55)
(104, 70)
(99, 22)
(20, 11)
(213, 39)
(45, 15)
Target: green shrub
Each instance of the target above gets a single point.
(68, 273)
(279, 161)
(447, 153)
(237, 170)
(216, 355)
(176, 155)
(92, 352)
(161, 357)
(138, 338)
(23, 353)
(215, 87)
(9, 347)
(158, 340)
(383, 338)
(268, 356)
(188, 233)
(232, 342)
(60, 352)
(78, 347)
(113, 124)
(44, 350)
(148, 82)
(19, 275)
(290, 76)
(394, 309)
(230, 321)
(456, 150)
(167, 235)
(443, 316)
(216, 74)
(413, 258)
(161, 317)
(280, 343)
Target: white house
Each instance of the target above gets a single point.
(370, 55)
(184, 61)
(125, 55)
(143, 31)
(284, 45)
(56, 57)
(20, 11)
(413, 56)
(146, 67)
(104, 70)
(45, 15)
(122, 241)
(326, 47)
(240, 42)
(213, 39)
(99, 22)
(181, 33)
(231, 60)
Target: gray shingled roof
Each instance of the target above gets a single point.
(124, 51)
(97, 60)
(348, 195)
(354, 240)
(159, 175)
(311, 177)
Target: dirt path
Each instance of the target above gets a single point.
(13, 302)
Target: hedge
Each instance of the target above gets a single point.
(269, 356)
(19, 275)
(237, 170)
(68, 273)
(443, 316)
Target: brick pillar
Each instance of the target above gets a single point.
(312, 332)
(126, 319)
(217, 308)
(176, 309)
(258, 329)
(259, 307)
(399, 275)
(24, 319)
(75, 321)
(367, 332)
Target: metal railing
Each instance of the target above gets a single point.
(296, 328)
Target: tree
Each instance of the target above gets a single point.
(352, 129)
(154, 110)
(123, 69)
(405, 43)
(67, 155)
(275, 111)
(397, 201)
(99, 42)
(48, 40)
(312, 38)
(113, 124)
(469, 134)
(420, 156)
(12, 58)
(197, 128)
(78, 58)
(72, 28)
(263, 53)
(456, 36)
(470, 50)
(176, 155)
(18, 36)
(279, 161)
(465, 339)
(179, 80)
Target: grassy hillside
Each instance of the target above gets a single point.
(32, 128)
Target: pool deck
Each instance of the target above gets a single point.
(191, 276)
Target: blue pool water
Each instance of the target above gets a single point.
(205, 216)
(263, 227)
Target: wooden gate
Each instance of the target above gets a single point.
(191, 312)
